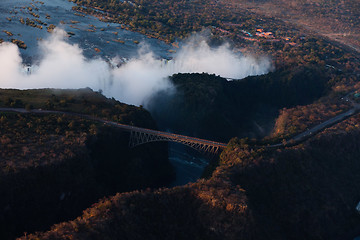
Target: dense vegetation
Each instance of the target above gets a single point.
(301, 192)
(80, 101)
(173, 20)
(294, 120)
(53, 166)
(211, 107)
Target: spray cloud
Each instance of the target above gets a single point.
(63, 65)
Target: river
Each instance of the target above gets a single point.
(89, 32)
(189, 164)
(96, 39)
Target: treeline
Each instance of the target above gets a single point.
(83, 101)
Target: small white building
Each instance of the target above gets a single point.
(29, 69)
(26, 69)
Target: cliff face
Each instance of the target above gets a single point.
(211, 107)
(54, 166)
(309, 191)
(41, 194)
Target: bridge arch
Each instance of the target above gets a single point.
(203, 146)
(139, 135)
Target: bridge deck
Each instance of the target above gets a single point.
(166, 134)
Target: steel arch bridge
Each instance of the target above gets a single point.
(139, 136)
(203, 146)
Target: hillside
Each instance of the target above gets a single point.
(300, 192)
(209, 106)
(83, 101)
(53, 166)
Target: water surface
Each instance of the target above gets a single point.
(95, 37)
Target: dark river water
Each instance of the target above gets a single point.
(189, 164)
(90, 34)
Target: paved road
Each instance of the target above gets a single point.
(328, 123)
(128, 128)
(181, 138)
(323, 125)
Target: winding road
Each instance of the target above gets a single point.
(139, 135)
(328, 123)
(148, 135)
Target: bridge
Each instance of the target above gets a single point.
(139, 136)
